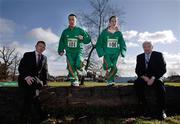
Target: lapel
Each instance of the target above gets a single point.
(150, 60)
(43, 60)
(144, 65)
(34, 58)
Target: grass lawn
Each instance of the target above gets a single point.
(86, 84)
(173, 84)
(92, 84)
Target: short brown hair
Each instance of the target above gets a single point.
(41, 42)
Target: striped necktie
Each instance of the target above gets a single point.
(147, 58)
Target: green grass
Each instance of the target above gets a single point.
(173, 84)
(86, 84)
(8, 84)
(92, 84)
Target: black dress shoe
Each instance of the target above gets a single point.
(162, 115)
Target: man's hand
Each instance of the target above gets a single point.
(151, 81)
(145, 78)
(29, 80)
(80, 37)
(61, 53)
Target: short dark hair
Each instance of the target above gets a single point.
(112, 17)
(72, 15)
(41, 42)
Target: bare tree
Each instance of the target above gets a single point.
(7, 58)
(14, 66)
(2, 72)
(172, 73)
(94, 22)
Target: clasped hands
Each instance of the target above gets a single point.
(148, 80)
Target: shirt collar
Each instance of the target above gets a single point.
(146, 54)
(37, 53)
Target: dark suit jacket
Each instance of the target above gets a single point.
(28, 67)
(156, 65)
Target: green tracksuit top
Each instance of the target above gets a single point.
(70, 42)
(110, 43)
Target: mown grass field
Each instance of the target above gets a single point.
(86, 84)
(93, 84)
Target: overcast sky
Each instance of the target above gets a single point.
(23, 22)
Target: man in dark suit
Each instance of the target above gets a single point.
(33, 75)
(150, 68)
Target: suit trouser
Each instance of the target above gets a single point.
(159, 88)
(109, 62)
(74, 62)
(29, 100)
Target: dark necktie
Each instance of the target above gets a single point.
(39, 60)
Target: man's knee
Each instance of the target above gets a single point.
(139, 83)
(159, 85)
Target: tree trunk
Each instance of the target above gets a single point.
(87, 64)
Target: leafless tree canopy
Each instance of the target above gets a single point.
(95, 22)
(9, 60)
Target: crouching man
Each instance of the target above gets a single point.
(150, 68)
(33, 73)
